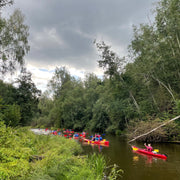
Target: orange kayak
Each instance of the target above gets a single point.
(103, 142)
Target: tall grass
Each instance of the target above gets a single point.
(98, 164)
(26, 156)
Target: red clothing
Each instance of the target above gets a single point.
(149, 148)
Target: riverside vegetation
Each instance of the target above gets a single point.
(135, 92)
(24, 155)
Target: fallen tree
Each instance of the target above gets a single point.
(177, 117)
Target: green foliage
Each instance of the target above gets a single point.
(14, 42)
(119, 132)
(100, 118)
(144, 88)
(20, 150)
(14, 155)
(172, 131)
(27, 97)
(12, 115)
(112, 64)
(58, 81)
(19, 104)
(177, 107)
(8, 92)
(14, 46)
(111, 129)
(115, 173)
(98, 164)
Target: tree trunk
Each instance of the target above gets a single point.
(177, 117)
(135, 102)
(160, 82)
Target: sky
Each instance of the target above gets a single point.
(62, 32)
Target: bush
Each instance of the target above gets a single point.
(11, 115)
(111, 129)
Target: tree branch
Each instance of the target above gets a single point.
(177, 117)
(5, 2)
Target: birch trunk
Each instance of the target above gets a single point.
(165, 87)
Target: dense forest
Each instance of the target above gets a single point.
(136, 93)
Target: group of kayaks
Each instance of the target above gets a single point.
(98, 140)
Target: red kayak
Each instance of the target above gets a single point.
(103, 142)
(144, 151)
(75, 137)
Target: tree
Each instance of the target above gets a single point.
(11, 115)
(27, 97)
(5, 3)
(156, 52)
(13, 42)
(114, 68)
(56, 84)
(100, 119)
(8, 92)
(91, 94)
(112, 64)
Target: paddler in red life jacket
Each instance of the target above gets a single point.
(149, 147)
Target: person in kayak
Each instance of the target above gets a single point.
(149, 147)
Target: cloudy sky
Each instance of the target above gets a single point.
(62, 32)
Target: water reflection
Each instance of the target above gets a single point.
(135, 158)
(149, 159)
(137, 166)
(100, 147)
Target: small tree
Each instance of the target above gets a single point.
(12, 115)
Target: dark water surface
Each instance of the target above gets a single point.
(138, 166)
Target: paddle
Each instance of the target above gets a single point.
(156, 150)
(134, 148)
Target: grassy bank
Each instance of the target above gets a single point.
(24, 155)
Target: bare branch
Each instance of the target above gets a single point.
(177, 117)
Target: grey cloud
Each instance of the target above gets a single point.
(76, 24)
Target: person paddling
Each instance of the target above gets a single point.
(149, 147)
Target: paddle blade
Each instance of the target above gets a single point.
(156, 150)
(134, 148)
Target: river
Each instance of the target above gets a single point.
(138, 166)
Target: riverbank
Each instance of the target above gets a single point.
(25, 155)
(41, 131)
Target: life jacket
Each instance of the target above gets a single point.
(149, 149)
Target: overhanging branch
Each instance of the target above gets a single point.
(177, 117)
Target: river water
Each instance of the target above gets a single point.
(138, 166)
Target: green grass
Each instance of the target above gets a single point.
(60, 157)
